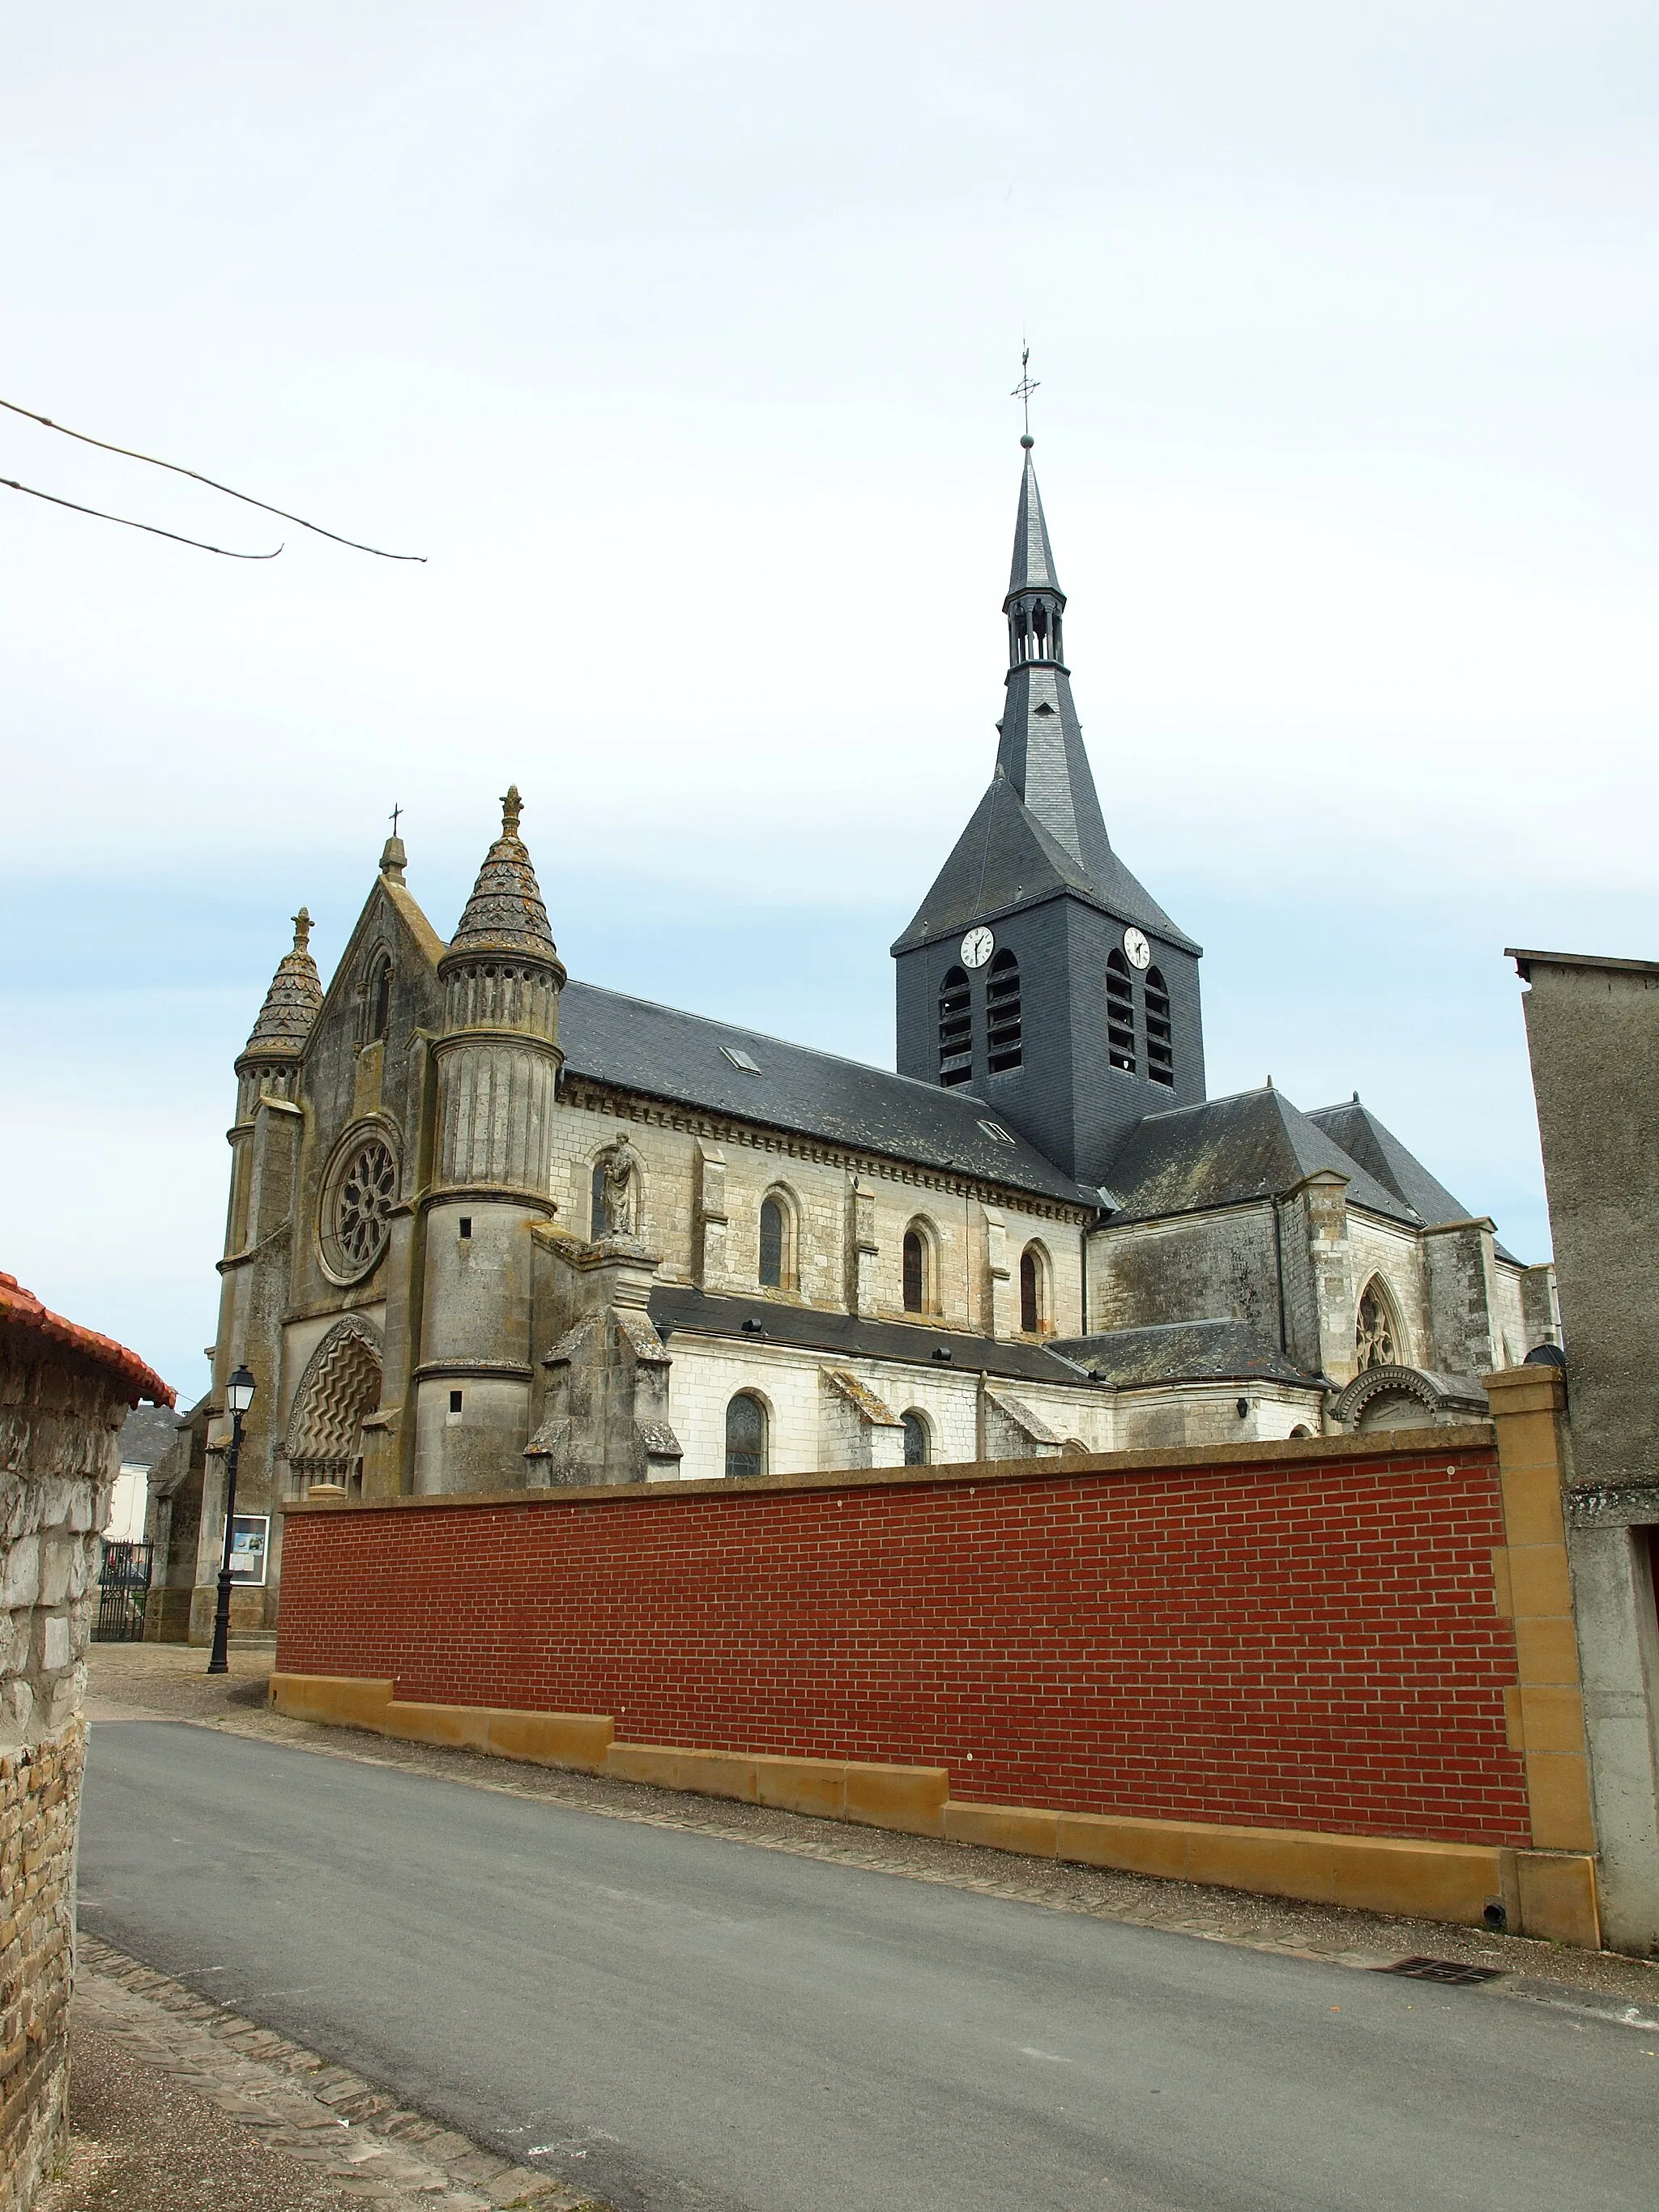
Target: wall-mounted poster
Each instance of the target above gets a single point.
(250, 1541)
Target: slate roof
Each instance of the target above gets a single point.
(682, 1309)
(1380, 1152)
(664, 1054)
(1185, 1352)
(1228, 1151)
(1032, 569)
(147, 1432)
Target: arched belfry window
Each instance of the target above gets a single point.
(380, 999)
(1378, 1340)
(955, 1029)
(1003, 1047)
(746, 1435)
(1160, 1036)
(1033, 1289)
(1119, 1014)
(918, 1270)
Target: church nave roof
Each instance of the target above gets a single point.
(662, 1053)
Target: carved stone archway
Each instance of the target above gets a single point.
(1393, 1397)
(339, 1389)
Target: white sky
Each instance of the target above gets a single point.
(680, 340)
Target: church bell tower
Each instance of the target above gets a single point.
(1038, 974)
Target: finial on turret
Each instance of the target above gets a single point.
(512, 809)
(302, 929)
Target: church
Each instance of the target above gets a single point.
(493, 1227)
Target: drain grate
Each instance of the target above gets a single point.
(1443, 1969)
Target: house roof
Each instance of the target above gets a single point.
(147, 1432)
(678, 1309)
(661, 1053)
(1385, 1159)
(23, 1312)
(1227, 1151)
(1185, 1352)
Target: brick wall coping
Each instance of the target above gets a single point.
(24, 1311)
(1285, 1454)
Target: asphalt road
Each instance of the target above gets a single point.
(674, 2020)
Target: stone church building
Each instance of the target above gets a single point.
(490, 1226)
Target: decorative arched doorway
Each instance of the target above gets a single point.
(339, 1389)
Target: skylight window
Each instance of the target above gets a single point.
(740, 1059)
(995, 1129)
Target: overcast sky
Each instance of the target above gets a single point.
(680, 340)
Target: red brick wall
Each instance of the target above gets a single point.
(1300, 1643)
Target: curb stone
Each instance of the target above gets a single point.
(369, 2145)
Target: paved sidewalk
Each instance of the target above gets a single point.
(170, 1681)
(177, 2105)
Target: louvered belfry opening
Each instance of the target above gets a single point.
(1002, 1030)
(955, 1029)
(1160, 1036)
(1121, 1014)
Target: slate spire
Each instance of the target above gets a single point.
(1039, 828)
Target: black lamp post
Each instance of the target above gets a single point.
(239, 1396)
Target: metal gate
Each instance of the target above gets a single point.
(123, 1593)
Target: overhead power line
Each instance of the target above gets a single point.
(132, 454)
(127, 523)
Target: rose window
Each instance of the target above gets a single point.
(363, 1198)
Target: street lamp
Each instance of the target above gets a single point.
(239, 1396)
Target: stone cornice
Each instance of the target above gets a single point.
(592, 1097)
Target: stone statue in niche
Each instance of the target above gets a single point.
(617, 1190)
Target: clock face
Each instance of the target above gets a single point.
(1136, 950)
(978, 946)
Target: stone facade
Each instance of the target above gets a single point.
(63, 1394)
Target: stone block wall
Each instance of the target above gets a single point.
(63, 1394)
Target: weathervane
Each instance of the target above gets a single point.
(1023, 391)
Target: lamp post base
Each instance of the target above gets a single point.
(220, 1662)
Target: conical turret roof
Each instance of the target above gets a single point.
(505, 913)
(292, 1004)
(1033, 566)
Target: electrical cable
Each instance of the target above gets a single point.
(127, 523)
(132, 454)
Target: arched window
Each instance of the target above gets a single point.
(918, 1442)
(1119, 1014)
(955, 1029)
(777, 1243)
(380, 999)
(1033, 1289)
(1377, 1338)
(746, 1435)
(918, 1269)
(1002, 1036)
(1160, 1036)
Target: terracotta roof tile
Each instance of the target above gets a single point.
(24, 1311)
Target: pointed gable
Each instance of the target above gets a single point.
(1228, 1152)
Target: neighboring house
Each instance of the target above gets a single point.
(490, 1226)
(1593, 1033)
(147, 1436)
